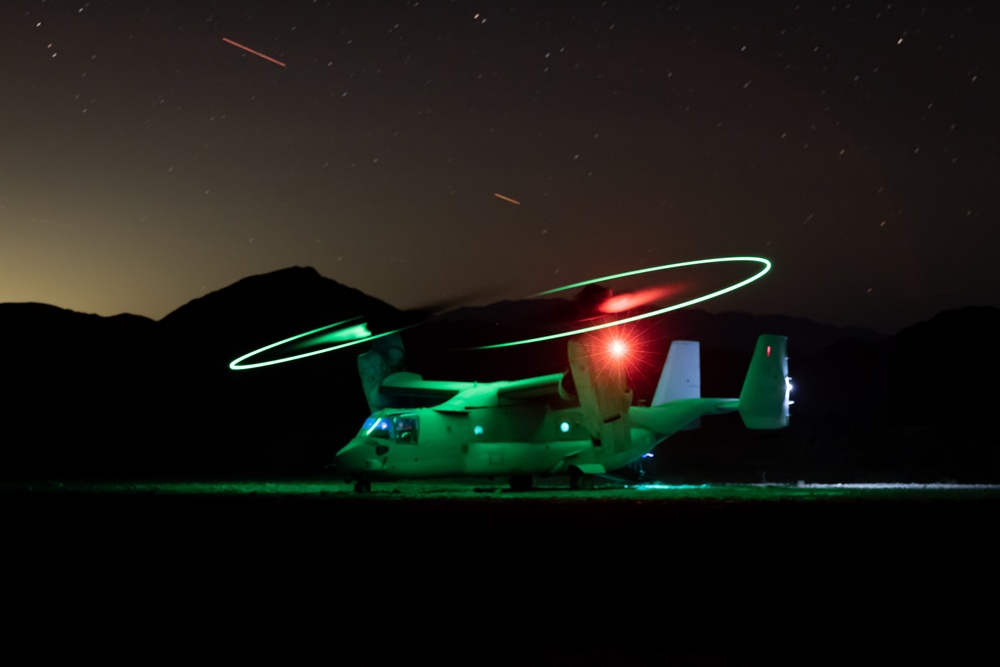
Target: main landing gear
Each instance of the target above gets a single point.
(521, 482)
(362, 486)
(580, 481)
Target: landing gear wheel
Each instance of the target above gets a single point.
(521, 482)
(362, 486)
(579, 481)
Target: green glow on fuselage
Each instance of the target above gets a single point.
(636, 318)
(528, 439)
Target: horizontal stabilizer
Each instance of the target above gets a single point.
(669, 418)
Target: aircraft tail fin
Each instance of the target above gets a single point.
(374, 366)
(681, 376)
(764, 398)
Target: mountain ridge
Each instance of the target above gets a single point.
(128, 393)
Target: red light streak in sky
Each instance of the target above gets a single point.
(249, 50)
(512, 201)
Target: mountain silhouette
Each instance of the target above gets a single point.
(129, 395)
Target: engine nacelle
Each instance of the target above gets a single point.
(567, 388)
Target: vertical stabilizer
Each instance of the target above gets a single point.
(764, 399)
(681, 376)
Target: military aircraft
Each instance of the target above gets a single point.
(581, 422)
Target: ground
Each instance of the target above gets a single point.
(481, 575)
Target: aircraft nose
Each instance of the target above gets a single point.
(347, 459)
(357, 456)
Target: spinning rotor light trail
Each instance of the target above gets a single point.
(344, 334)
(701, 299)
(353, 331)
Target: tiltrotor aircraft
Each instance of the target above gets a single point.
(581, 423)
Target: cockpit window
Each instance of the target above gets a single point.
(377, 427)
(400, 428)
(406, 427)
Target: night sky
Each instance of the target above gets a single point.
(145, 161)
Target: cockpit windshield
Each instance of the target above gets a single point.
(377, 427)
(402, 429)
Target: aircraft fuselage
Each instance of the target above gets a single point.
(533, 439)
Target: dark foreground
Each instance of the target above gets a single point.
(489, 577)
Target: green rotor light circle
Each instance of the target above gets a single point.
(701, 299)
(347, 333)
(352, 331)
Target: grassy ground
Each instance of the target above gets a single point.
(548, 489)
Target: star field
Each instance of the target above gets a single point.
(427, 150)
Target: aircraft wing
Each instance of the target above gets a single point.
(412, 384)
(493, 394)
(524, 390)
